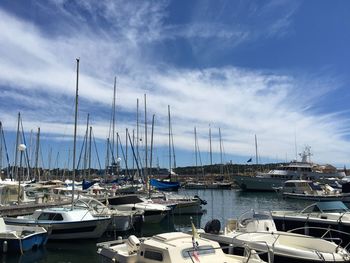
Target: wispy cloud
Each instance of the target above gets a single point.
(37, 71)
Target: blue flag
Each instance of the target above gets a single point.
(249, 160)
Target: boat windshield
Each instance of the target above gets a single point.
(332, 207)
(201, 250)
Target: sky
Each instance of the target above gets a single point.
(274, 69)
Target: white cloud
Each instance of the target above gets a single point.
(39, 68)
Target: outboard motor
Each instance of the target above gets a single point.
(212, 226)
(203, 202)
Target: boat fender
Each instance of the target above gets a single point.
(213, 226)
(203, 202)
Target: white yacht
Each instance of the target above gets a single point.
(258, 231)
(309, 190)
(65, 223)
(329, 219)
(175, 247)
(153, 213)
(295, 170)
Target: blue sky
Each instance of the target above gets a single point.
(277, 69)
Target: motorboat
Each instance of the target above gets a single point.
(153, 213)
(180, 204)
(174, 247)
(309, 190)
(65, 223)
(19, 239)
(258, 231)
(120, 220)
(294, 170)
(328, 219)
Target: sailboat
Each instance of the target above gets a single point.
(162, 184)
(67, 222)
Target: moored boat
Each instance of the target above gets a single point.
(175, 247)
(259, 232)
(328, 219)
(65, 223)
(18, 239)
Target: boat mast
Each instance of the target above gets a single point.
(221, 162)
(146, 149)
(256, 150)
(195, 150)
(75, 129)
(113, 119)
(169, 140)
(137, 130)
(210, 149)
(90, 138)
(86, 146)
(151, 155)
(16, 147)
(36, 170)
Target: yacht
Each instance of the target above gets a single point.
(309, 190)
(65, 223)
(295, 170)
(153, 213)
(258, 231)
(329, 219)
(174, 247)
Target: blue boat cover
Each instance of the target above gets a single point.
(164, 185)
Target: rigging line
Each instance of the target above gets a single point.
(136, 161)
(98, 158)
(81, 152)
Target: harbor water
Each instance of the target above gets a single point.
(221, 204)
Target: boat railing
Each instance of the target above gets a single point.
(328, 231)
(248, 252)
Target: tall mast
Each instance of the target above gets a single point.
(151, 156)
(221, 163)
(169, 140)
(107, 157)
(146, 149)
(210, 149)
(89, 166)
(113, 117)
(195, 149)
(256, 150)
(36, 170)
(17, 143)
(137, 129)
(126, 147)
(86, 146)
(75, 129)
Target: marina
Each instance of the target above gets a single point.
(174, 131)
(221, 204)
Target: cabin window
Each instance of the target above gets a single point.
(154, 255)
(289, 184)
(50, 216)
(202, 250)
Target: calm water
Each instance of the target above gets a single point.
(222, 205)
